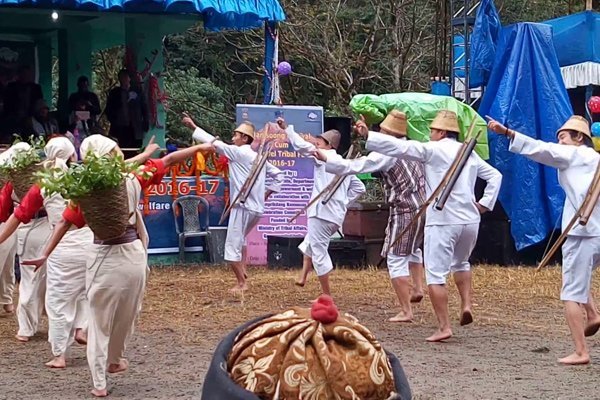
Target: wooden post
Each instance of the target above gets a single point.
(588, 5)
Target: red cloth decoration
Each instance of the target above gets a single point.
(324, 310)
(30, 204)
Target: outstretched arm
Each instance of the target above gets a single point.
(57, 234)
(144, 156)
(181, 155)
(300, 145)
(550, 154)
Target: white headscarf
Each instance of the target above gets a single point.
(59, 150)
(100, 145)
(7, 156)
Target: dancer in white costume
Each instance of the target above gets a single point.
(31, 238)
(8, 249)
(116, 273)
(66, 305)
(324, 220)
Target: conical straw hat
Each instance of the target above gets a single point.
(246, 128)
(446, 121)
(578, 124)
(395, 123)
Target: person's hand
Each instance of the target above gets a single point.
(151, 147)
(282, 124)
(361, 127)
(187, 121)
(38, 262)
(319, 155)
(497, 127)
(481, 209)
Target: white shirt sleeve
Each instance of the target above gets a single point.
(404, 149)
(355, 189)
(493, 178)
(275, 177)
(300, 145)
(202, 136)
(230, 151)
(373, 162)
(551, 154)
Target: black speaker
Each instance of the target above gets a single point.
(348, 253)
(283, 252)
(344, 126)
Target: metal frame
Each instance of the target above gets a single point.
(462, 14)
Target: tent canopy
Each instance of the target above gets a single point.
(217, 14)
(576, 40)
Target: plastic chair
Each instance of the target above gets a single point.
(191, 222)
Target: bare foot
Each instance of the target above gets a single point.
(300, 283)
(57, 362)
(120, 367)
(592, 327)
(466, 318)
(440, 335)
(100, 392)
(238, 289)
(401, 317)
(416, 297)
(575, 359)
(80, 336)
(9, 308)
(22, 338)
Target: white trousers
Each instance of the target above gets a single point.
(8, 249)
(398, 266)
(316, 244)
(447, 249)
(66, 305)
(31, 239)
(580, 256)
(241, 222)
(116, 278)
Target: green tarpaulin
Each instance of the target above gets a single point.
(421, 109)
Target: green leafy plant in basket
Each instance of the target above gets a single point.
(22, 168)
(98, 186)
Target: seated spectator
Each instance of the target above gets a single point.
(41, 123)
(84, 108)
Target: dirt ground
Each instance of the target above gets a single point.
(509, 352)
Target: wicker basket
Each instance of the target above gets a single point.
(106, 212)
(23, 179)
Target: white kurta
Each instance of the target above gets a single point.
(450, 234)
(66, 305)
(324, 219)
(398, 265)
(31, 239)
(8, 249)
(243, 217)
(116, 278)
(350, 189)
(576, 168)
(437, 157)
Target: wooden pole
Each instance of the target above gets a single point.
(588, 5)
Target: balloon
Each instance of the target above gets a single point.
(596, 129)
(594, 104)
(284, 68)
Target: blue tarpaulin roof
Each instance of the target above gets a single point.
(577, 37)
(526, 92)
(483, 43)
(217, 14)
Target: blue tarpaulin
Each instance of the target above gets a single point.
(577, 37)
(526, 92)
(483, 43)
(217, 14)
